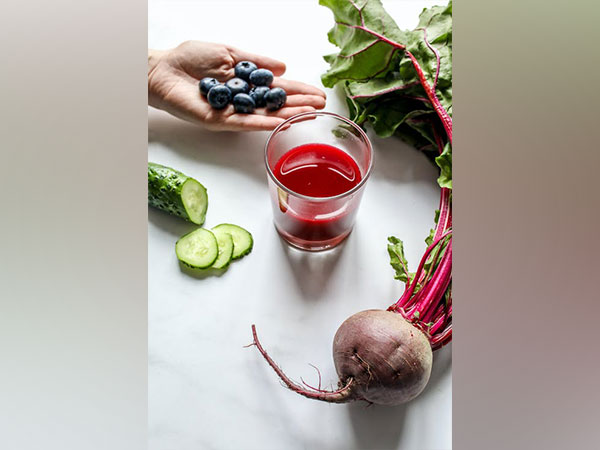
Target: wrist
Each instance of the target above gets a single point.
(154, 57)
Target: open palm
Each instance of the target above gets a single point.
(174, 75)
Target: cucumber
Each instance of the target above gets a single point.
(176, 193)
(225, 243)
(242, 239)
(198, 249)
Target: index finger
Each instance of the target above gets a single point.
(264, 62)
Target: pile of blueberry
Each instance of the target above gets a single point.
(245, 100)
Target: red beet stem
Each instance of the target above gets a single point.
(410, 291)
(445, 218)
(441, 339)
(411, 302)
(435, 289)
(440, 321)
(427, 308)
(433, 265)
(434, 314)
(341, 395)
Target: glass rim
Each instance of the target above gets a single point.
(363, 135)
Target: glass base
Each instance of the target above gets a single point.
(312, 246)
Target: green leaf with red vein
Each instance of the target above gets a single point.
(379, 77)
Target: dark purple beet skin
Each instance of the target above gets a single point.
(389, 359)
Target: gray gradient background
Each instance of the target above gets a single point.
(73, 278)
(526, 156)
(73, 295)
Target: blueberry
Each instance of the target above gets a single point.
(243, 69)
(261, 77)
(206, 84)
(219, 96)
(243, 103)
(275, 98)
(237, 86)
(258, 95)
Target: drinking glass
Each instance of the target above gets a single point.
(316, 223)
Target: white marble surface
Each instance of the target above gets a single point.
(205, 390)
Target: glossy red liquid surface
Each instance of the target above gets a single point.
(317, 170)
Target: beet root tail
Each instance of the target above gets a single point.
(342, 395)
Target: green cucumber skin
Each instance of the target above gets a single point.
(190, 266)
(164, 190)
(250, 237)
(245, 252)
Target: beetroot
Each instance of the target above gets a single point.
(379, 357)
(389, 359)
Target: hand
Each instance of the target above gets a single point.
(173, 77)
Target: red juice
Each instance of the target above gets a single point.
(319, 171)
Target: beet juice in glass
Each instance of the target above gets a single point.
(318, 164)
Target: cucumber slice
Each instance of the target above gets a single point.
(195, 200)
(176, 193)
(242, 239)
(225, 242)
(198, 249)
